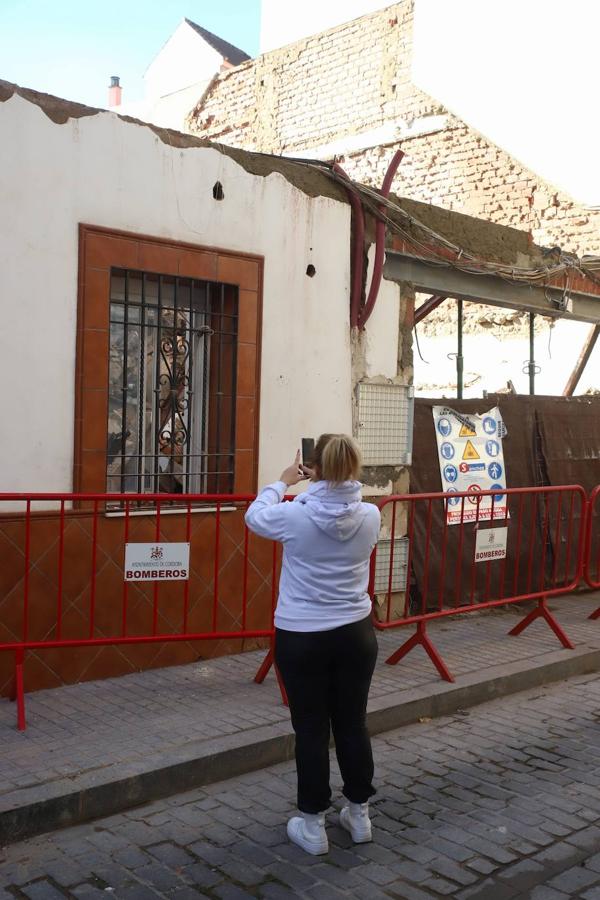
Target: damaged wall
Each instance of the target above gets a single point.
(66, 164)
(348, 92)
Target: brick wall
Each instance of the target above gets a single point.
(356, 77)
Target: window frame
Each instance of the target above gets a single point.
(102, 250)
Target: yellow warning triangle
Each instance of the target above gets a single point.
(467, 431)
(470, 451)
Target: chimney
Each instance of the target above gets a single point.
(114, 92)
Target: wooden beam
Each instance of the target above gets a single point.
(581, 363)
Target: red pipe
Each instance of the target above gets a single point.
(379, 244)
(358, 249)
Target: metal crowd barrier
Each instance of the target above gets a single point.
(65, 584)
(434, 563)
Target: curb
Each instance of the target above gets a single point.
(32, 811)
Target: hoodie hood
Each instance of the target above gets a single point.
(335, 509)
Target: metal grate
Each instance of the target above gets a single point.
(385, 423)
(399, 564)
(172, 384)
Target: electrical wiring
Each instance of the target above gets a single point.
(381, 207)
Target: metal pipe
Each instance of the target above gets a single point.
(531, 365)
(459, 351)
(379, 244)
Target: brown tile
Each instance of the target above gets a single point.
(13, 561)
(159, 258)
(96, 299)
(248, 317)
(245, 428)
(246, 370)
(244, 472)
(93, 471)
(236, 270)
(95, 359)
(109, 597)
(103, 251)
(197, 264)
(94, 408)
(37, 674)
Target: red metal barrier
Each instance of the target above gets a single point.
(426, 569)
(592, 548)
(63, 582)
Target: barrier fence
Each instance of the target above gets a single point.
(467, 552)
(68, 581)
(67, 586)
(592, 552)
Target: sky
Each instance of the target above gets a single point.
(523, 72)
(71, 47)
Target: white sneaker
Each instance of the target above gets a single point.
(355, 819)
(308, 832)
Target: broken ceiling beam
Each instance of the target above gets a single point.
(428, 306)
(581, 363)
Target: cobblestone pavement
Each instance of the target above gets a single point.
(120, 723)
(502, 802)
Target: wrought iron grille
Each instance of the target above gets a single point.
(172, 384)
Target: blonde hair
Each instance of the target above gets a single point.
(337, 458)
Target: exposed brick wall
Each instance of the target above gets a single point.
(356, 77)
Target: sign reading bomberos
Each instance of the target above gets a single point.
(471, 459)
(157, 562)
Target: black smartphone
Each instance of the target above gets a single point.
(308, 451)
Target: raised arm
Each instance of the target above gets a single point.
(267, 515)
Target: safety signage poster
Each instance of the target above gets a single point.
(472, 460)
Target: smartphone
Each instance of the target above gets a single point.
(308, 451)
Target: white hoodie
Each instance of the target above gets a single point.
(328, 534)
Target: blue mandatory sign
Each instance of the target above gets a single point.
(452, 501)
(489, 425)
(498, 498)
(447, 450)
(450, 474)
(492, 448)
(444, 426)
(495, 471)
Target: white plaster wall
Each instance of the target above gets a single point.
(103, 171)
(382, 329)
(490, 361)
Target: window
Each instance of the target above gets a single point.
(171, 384)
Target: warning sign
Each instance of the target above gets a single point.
(470, 451)
(472, 460)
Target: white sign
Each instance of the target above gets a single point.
(471, 459)
(157, 562)
(490, 544)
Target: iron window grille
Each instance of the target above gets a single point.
(172, 384)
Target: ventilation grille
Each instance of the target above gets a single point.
(385, 423)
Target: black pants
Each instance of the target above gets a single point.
(327, 675)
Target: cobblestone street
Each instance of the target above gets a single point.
(502, 802)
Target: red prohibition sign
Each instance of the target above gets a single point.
(475, 490)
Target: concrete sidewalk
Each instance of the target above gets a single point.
(96, 748)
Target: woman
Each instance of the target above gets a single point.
(325, 646)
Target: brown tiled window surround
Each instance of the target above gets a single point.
(101, 252)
